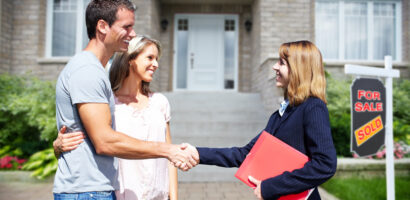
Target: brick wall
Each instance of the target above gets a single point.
(147, 17)
(276, 22)
(142, 17)
(27, 42)
(6, 29)
(42, 20)
(147, 23)
(166, 61)
(245, 52)
(256, 46)
(159, 83)
(284, 21)
(271, 95)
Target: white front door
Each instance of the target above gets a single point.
(205, 52)
(200, 52)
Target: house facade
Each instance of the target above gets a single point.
(214, 45)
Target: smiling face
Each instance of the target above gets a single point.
(281, 69)
(121, 31)
(146, 63)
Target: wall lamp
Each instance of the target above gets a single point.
(248, 25)
(164, 24)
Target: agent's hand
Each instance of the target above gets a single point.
(178, 156)
(182, 156)
(194, 155)
(257, 189)
(67, 142)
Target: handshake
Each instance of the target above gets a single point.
(183, 156)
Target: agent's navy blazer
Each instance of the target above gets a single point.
(305, 127)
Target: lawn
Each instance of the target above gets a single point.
(371, 188)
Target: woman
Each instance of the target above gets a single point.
(139, 113)
(302, 122)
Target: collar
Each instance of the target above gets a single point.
(283, 107)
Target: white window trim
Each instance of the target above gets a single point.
(49, 28)
(370, 44)
(80, 22)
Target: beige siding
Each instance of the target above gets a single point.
(276, 22)
(29, 38)
(6, 29)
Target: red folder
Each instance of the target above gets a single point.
(270, 157)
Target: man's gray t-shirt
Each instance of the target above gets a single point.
(83, 80)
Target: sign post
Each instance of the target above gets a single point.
(389, 74)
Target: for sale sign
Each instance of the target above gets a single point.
(368, 97)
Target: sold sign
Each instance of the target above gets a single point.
(368, 116)
(368, 130)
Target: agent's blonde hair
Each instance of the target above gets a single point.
(120, 67)
(306, 73)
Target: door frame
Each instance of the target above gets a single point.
(234, 17)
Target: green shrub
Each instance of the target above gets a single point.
(42, 163)
(27, 115)
(338, 96)
(401, 108)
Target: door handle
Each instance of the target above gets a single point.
(192, 60)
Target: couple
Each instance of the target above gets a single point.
(85, 102)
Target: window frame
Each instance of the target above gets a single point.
(49, 28)
(370, 26)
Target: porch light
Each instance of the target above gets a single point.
(248, 25)
(164, 24)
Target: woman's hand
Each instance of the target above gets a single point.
(257, 190)
(67, 142)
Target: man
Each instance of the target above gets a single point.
(85, 102)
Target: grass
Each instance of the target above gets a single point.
(371, 188)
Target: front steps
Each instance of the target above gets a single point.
(214, 119)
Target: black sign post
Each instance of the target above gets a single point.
(368, 97)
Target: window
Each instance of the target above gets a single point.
(358, 30)
(182, 52)
(66, 31)
(229, 51)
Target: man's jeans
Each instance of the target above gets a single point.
(85, 196)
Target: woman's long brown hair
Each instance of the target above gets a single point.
(306, 72)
